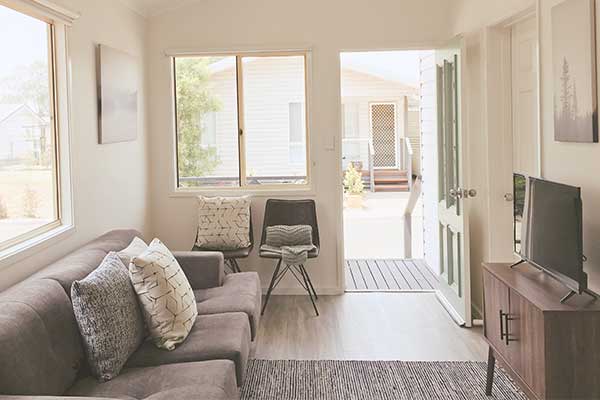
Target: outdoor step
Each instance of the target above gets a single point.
(391, 180)
(391, 188)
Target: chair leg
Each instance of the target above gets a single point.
(271, 286)
(234, 265)
(309, 281)
(308, 287)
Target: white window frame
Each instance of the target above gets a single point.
(270, 189)
(295, 144)
(59, 19)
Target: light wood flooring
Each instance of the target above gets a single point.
(365, 326)
(389, 275)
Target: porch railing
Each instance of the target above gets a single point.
(407, 160)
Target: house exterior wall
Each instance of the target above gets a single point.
(20, 136)
(270, 85)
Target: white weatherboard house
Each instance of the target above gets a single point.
(375, 108)
(23, 133)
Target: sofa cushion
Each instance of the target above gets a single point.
(205, 380)
(240, 292)
(81, 262)
(109, 317)
(40, 346)
(213, 337)
(165, 294)
(135, 248)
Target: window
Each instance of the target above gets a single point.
(297, 134)
(29, 184)
(241, 120)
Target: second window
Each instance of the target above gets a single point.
(241, 120)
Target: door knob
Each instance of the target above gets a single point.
(508, 197)
(460, 193)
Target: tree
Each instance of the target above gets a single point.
(194, 100)
(28, 85)
(565, 96)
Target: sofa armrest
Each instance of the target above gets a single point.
(204, 269)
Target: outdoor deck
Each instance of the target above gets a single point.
(389, 276)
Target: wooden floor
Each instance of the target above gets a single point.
(365, 326)
(389, 275)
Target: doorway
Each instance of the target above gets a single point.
(381, 162)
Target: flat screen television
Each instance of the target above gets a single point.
(552, 231)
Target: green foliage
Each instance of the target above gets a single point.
(353, 183)
(194, 100)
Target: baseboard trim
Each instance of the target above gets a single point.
(298, 291)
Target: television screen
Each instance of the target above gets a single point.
(552, 231)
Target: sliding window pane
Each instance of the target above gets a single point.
(207, 124)
(275, 120)
(28, 185)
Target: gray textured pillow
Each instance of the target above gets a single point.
(109, 317)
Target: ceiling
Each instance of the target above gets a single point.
(150, 8)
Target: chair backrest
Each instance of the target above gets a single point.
(291, 212)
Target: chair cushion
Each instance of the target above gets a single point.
(223, 223)
(240, 292)
(314, 253)
(165, 294)
(109, 317)
(213, 337)
(205, 380)
(40, 346)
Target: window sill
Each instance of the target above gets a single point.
(304, 190)
(34, 245)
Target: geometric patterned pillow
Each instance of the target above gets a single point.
(109, 317)
(165, 294)
(223, 223)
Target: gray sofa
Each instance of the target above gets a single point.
(41, 354)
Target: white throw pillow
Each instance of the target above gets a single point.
(135, 248)
(165, 295)
(223, 223)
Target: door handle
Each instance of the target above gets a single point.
(460, 193)
(508, 197)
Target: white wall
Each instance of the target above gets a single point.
(569, 163)
(109, 181)
(264, 24)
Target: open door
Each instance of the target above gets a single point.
(453, 192)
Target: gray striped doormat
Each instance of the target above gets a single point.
(373, 380)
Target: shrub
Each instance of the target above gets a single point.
(3, 209)
(31, 203)
(353, 181)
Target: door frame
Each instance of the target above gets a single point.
(498, 125)
(396, 131)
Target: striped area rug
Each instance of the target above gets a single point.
(373, 380)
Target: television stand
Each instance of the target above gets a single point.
(549, 348)
(572, 293)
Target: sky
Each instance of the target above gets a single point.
(401, 66)
(23, 38)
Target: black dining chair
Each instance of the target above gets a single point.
(291, 212)
(231, 256)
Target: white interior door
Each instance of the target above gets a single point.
(454, 192)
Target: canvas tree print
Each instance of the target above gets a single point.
(574, 65)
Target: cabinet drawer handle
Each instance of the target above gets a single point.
(507, 338)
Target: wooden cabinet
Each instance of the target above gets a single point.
(552, 350)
